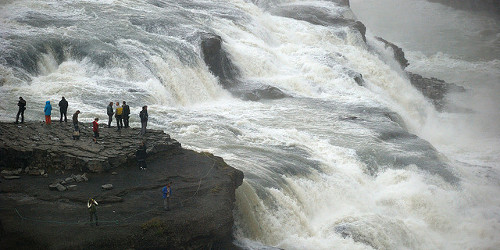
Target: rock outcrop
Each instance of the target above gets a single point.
(219, 63)
(217, 60)
(320, 16)
(50, 212)
(33, 147)
(432, 88)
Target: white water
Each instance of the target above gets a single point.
(315, 164)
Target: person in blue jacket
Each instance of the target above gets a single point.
(48, 112)
(167, 192)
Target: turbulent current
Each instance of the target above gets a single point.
(351, 156)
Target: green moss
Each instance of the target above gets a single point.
(155, 225)
(216, 189)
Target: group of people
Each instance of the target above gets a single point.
(122, 116)
(121, 113)
(63, 108)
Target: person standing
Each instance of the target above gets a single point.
(76, 133)
(48, 112)
(22, 107)
(126, 114)
(141, 155)
(144, 119)
(167, 192)
(63, 108)
(95, 128)
(92, 207)
(110, 113)
(119, 116)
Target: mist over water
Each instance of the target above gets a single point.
(334, 166)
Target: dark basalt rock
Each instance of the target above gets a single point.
(318, 16)
(49, 147)
(221, 66)
(432, 88)
(35, 209)
(218, 61)
(399, 54)
(264, 92)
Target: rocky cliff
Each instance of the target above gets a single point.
(48, 178)
(432, 88)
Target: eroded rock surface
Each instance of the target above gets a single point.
(34, 147)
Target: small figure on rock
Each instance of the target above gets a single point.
(141, 156)
(126, 114)
(63, 108)
(144, 119)
(95, 128)
(167, 192)
(76, 133)
(48, 111)
(92, 206)
(22, 107)
(119, 116)
(110, 113)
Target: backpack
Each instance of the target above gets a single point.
(76, 135)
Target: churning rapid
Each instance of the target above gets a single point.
(339, 150)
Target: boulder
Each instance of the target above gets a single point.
(36, 172)
(69, 180)
(107, 186)
(7, 172)
(71, 187)
(60, 187)
(11, 177)
(78, 178)
(53, 187)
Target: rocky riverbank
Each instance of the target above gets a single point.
(36, 159)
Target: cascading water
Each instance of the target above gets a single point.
(335, 165)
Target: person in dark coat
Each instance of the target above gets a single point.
(126, 114)
(22, 107)
(141, 156)
(110, 113)
(76, 133)
(144, 119)
(63, 108)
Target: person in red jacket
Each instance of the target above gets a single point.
(95, 128)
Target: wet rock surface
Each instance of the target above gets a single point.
(36, 147)
(36, 209)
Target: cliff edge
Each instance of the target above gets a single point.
(47, 179)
